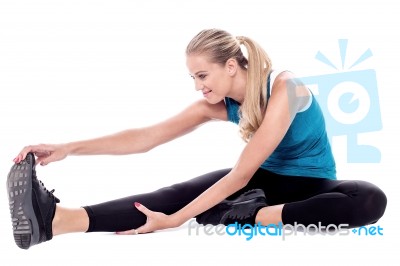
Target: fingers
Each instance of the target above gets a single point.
(141, 230)
(41, 151)
(146, 228)
(21, 156)
(155, 221)
(42, 160)
(143, 209)
(129, 232)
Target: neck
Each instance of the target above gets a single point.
(238, 90)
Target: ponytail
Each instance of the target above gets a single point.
(253, 108)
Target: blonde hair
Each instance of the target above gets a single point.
(220, 46)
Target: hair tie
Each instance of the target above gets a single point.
(240, 39)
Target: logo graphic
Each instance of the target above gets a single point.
(350, 103)
(249, 231)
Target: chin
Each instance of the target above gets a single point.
(214, 100)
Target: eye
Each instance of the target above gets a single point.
(202, 76)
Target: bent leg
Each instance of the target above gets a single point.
(121, 215)
(309, 200)
(355, 203)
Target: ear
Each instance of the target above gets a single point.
(231, 66)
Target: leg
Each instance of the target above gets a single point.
(35, 214)
(69, 220)
(121, 215)
(308, 200)
(270, 215)
(355, 203)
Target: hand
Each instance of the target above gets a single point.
(45, 153)
(155, 221)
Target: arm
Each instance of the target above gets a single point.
(141, 140)
(133, 140)
(286, 100)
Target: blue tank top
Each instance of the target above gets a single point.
(305, 148)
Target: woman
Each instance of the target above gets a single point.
(286, 172)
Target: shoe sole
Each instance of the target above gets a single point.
(19, 187)
(241, 208)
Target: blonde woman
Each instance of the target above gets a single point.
(285, 174)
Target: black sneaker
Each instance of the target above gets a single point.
(32, 206)
(242, 210)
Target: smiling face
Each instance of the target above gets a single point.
(212, 79)
(220, 69)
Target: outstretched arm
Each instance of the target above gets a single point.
(282, 107)
(131, 141)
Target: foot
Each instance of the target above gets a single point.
(32, 206)
(242, 210)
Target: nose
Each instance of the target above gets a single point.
(198, 85)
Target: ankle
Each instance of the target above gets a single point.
(57, 221)
(261, 216)
(269, 215)
(69, 220)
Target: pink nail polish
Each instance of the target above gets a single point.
(137, 204)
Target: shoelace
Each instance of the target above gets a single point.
(50, 193)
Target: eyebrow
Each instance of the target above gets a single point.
(198, 72)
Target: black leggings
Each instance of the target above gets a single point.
(307, 201)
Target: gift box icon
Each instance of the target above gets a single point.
(350, 103)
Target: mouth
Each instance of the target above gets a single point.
(205, 93)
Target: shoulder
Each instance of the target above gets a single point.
(283, 78)
(286, 83)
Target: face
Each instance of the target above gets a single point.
(212, 79)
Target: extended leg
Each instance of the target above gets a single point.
(121, 215)
(68, 220)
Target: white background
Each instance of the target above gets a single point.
(72, 70)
